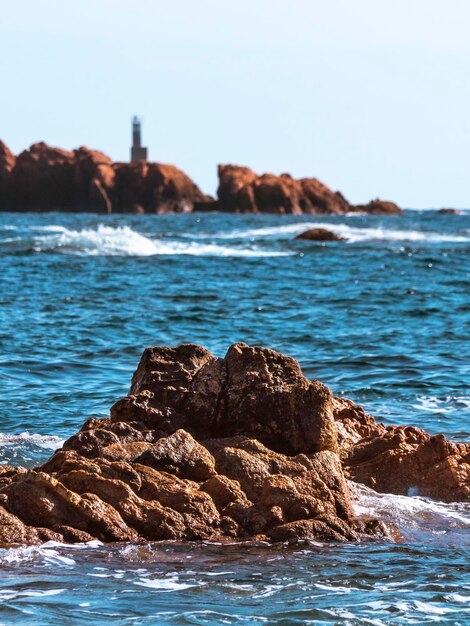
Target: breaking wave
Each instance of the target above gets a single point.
(353, 234)
(50, 442)
(416, 517)
(27, 449)
(121, 241)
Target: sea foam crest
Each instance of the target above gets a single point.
(104, 240)
(50, 442)
(352, 234)
(123, 241)
(412, 514)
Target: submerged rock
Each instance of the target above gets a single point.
(244, 447)
(451, 212)
(319, 234)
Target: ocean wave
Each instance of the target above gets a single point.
(122, 241)
(353, 234)
(50, 442)
(104, 240)
(50, 553)
(413, 515)
(447, 404)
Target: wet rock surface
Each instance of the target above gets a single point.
(319, 234)
(244, 447)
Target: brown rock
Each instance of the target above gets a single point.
(319, 234)
(252, 391)
(378, 207)
(408, 461)
(7, 163)
(241, 447)
(242, 191)
(181, 455)
(44, 178)
(153, 188)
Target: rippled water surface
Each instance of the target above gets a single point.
(383, 318)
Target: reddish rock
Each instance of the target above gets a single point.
(242, 191)
(319, 234)
(378, 207)
(408, 461)
(44, 178)
(94, 180)
(253, 391)
(153, 188)
(242, 447)
(321, 199)
(7, 163)
(202, 448)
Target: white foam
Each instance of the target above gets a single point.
(123, 241)
(164, 584)
(412, 512)
(353, 234)
(104, 240)
(50, 442)
(449, 404)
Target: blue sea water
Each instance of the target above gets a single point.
(383, 318)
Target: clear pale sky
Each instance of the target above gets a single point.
(370, 96)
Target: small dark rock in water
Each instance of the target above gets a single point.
(240, 447)
(450, 212)
(320, 234)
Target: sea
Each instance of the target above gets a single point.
(382, 318)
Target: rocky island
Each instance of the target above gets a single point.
(240, 447)
(46, 178)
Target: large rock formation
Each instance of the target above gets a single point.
(243, 447)
(44, 178)
(49, 179)
(242, 191)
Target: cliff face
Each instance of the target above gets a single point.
(242, 191)
(44, 178)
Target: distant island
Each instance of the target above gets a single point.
(46, 178)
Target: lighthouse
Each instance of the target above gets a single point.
(138, 153)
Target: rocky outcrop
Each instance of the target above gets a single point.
(403, 460)
(319, 234)
(201, 448)
(378, 207)
(242, 191)
(240, 447)
(44, 178)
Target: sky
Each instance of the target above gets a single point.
(370, 96)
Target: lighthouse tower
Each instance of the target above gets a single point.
(138, 153)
